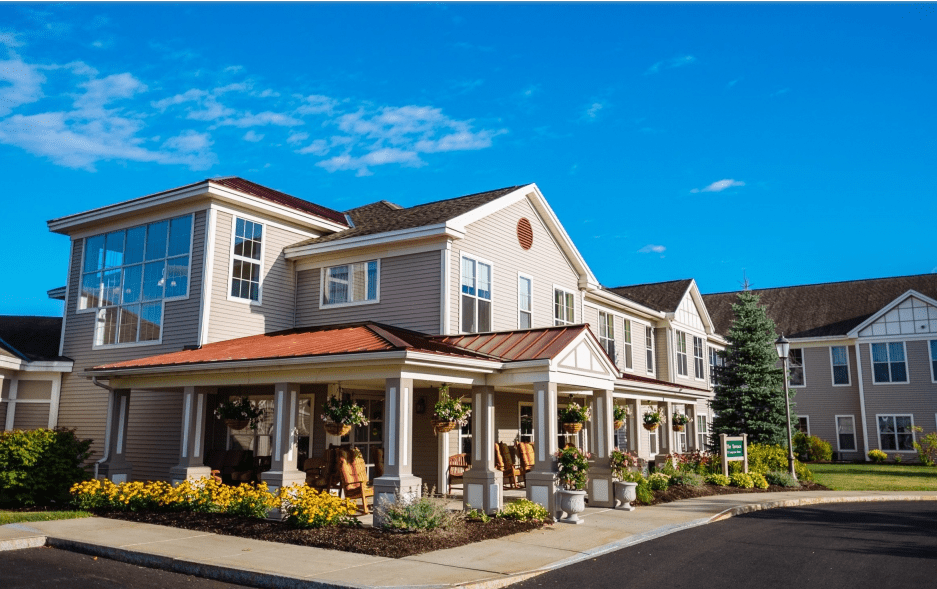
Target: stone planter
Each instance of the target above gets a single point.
(625, 493)
(572, 503)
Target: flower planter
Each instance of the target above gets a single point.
(619, 423)
(237, 424)
(572, 503)
(678, 428)
(440, 426)
(651, 426)
(572, 428)
(625, 493)
(336, 429)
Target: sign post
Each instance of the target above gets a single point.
(734, 448)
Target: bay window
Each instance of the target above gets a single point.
(351, 283)
(476, 296)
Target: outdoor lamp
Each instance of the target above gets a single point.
(783, 346)
(784, 349)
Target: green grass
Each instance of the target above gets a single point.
(875, 477)
(15, 517)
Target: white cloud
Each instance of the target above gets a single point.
(719, 186)
(380, 157)
(233, 69)
(317, 147)
(10, 40)
(593, 111)
(297, 137)
(652, 249)
(20, 83)
(315, 104)
(248, 119)
(252, 136)
(670, 63)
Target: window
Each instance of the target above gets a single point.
(803, 424)
(796, 367)
(476, 296)
(351, 283)
(649, 348)
(563, 307)
(607, 334)
(681, 354)
(127, 274)
(246, 260)
(652, 445)
(895, 433)
(526, 425)
(888, 363)
(524, 312)
(716, 362)
(846, 433)
(628, 363)
(702, 432)
(933, 360)
(465, 438)
(839, 358)
(699, 367)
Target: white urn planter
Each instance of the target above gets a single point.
(625, 493)
(572, 503)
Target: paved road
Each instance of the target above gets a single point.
(51, 568)
(849, 546)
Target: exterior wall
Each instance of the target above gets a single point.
(662, 354)
(590, 315)
(409, 295)
(494, 239)
(31, 416)
(3, 415)
(425, 443)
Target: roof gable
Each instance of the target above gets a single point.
(910, 314)
(660, 296)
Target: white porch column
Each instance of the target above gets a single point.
(692, 440)
(602, 443)
(333, 391)
(541, 481)
(284, 453)
(442, 451)
(483, 484)
(191, 459)
(664, 434)
(398, 446)
(635, 426)
(114, 465)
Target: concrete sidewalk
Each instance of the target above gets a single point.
(487, 564)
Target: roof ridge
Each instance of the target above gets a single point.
(464, 196)
(647, 283)
(824, 283)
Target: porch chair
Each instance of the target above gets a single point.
(525, 452)
(327, 477)
(458, 464)
(377, 458)
(354, 474)
(505, 463)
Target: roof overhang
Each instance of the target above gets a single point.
(10, 363)
(614, 299)
(416, 234)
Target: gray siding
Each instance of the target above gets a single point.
(31, 416)
(494, 238)
(409, 295)
(3, 415)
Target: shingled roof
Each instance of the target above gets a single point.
(822, 310)
(383, 216)
(660, 296)
(254, 189)
(31, 338)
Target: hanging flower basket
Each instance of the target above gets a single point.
(449, 413)
(678, 428)
(238, 413)
(237, 424)
(441, 426)
(651, 426)
(573, 416)
(340, 416)
(572, 428)
(679, 422)
(336, 429)
(620, 413)
(619, 423)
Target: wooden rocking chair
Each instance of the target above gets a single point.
(513, 477)
(354, 475)
(525, 452)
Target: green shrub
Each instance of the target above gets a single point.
(781, 479)
(38, 467)
(658, 481)
(764, 458)
(927, 449)
(742, 480)
(525, 510)
(417, 515)
(718, 479)
(759, 480)
(877, 456)
(633, 476)
(812, 448)
(687, 479)
(643, 493)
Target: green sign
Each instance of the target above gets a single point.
(735, 449)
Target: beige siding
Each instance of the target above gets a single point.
(34, 389)
(494, 239)
(31, 416)
(662, 354)
(425, 442)
(231, 319)
(409, 295)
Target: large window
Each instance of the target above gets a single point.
(846, 433)
(351, 283)
(628, 362)
(888, 364)
(476, 296)
(607, 334)
(699, 364)
(895, 433)
(681, 354)
(716, 362)
(246, 260)
(524, 302)
(702, 432)
(839, 358)
(933, 360)
(797, 367)
(564, 312)
(649, 348)
(127, 274)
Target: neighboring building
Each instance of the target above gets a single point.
(863, 358)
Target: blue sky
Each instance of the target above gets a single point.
(794, 142)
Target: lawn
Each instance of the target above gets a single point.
(875, 477)
(15, 517)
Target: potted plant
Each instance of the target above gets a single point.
(620, 414)
(679, 421)
(653, 419)
(573, 416)
(339, 416)
(625, 489)
(448, 412)
(573, 471)
(238, 413)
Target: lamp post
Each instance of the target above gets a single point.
(784, 348)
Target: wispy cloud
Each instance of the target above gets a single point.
(252, 136)
(720, 185)
(780, 92)
(670, 64)
(592, 111)
(652, 249)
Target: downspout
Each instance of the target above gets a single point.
(865, 425)
(107, 423)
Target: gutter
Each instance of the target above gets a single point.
(107, 423)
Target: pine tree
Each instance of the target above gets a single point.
(749, 392)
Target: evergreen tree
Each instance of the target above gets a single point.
(749, 392)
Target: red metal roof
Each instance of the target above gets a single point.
(248, 187)
(512, 346)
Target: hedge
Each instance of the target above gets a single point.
(38, 467)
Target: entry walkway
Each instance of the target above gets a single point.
(488, 564)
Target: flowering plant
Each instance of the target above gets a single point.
(573, 413)
(679, 419)
(652, 417)
(343, 412)
(449, 409)
(240, 409)
(621, 461)
(573, 466)
(621, 412)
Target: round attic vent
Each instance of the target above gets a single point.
(525, 233)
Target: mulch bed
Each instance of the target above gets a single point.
(678, 492)
(362, 540)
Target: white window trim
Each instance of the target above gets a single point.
(557, 287)
(676, 353)
(833, 370)
(933, 372)
(855, 435)
(878, 432)
(263, 254)
(807, 417)
(625, 345)
(322, 286)
(598, 334)
(559, 430)
(702, 358)
(907, 371)
(533, 430)
(492, 284)
(702, 434)
(519, 276)
(803, 367)
(651, 369)
(155, 342)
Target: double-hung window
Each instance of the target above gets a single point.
(681, 354)
(699, 365)
(888, 362)
(351, 283)
(628, 362)
(839, 359)
(607, 334)
(796, 357)
(895, 432)
(564, 311)
(716, 362)
(846, 433)
(247, 260)
(127, 274)
(524, 302)
(933, 360)
(649, 348)
(476, 296)
(702, 432)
